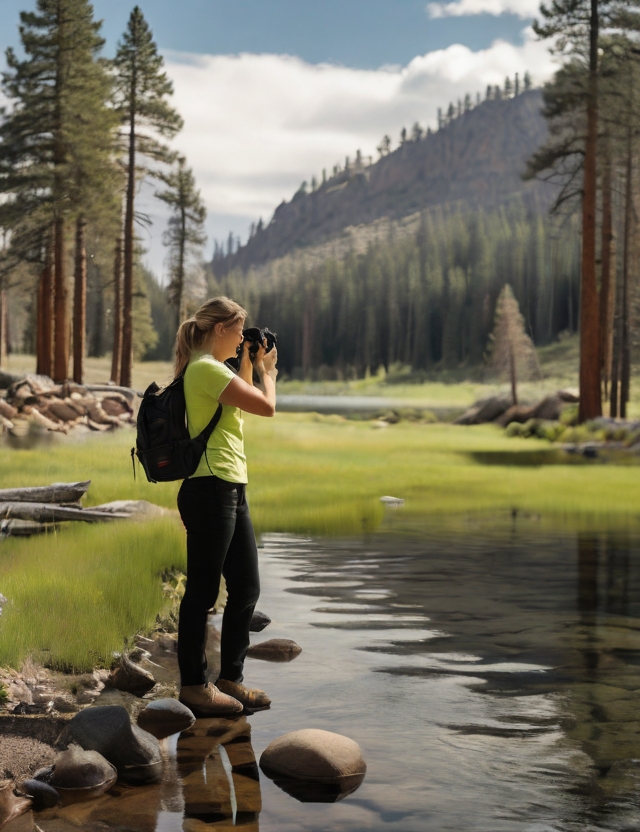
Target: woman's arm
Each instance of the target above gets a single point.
(250, 399)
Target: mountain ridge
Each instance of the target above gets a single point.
(476, 160)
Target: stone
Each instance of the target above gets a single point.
(7, 410)
(11, 806)
(44, 795)
(78, 774)
(485, 410)
(392, 502)
(131, 678)
(258, 622)
(108, 730)
(19, 691)
(314, 765)
(62, 411)
(64, 704)
(26, 709)
(275, 650)
(164, 717)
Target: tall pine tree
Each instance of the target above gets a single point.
(143, 89)
(185, 234)
(59, 111)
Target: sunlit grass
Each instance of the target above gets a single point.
(75, 596)
(318, 475)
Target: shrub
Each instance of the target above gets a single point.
(569, 415)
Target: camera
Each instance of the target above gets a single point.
(258, 337)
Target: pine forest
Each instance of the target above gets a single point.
(520, 186)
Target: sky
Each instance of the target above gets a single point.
(273, 92)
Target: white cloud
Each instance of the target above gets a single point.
(257, 125)
(460, 8)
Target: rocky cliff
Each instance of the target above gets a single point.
(477, 159)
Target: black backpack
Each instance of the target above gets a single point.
(163, 444)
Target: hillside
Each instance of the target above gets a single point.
(476, 160)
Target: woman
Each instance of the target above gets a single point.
(213, 506)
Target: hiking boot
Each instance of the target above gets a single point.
(207, 701)
(253, 699)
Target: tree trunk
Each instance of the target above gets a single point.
(126, 361)
(616, 351)
(79, 302)
(117, 314)
(607, 283)
(39, 338)
(625, 347)
(4, 323)
(512, 375)
(181, 268)
(590, 402)
(61, 313)
(45, 316)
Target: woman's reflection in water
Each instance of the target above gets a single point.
(219, 774)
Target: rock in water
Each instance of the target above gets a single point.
(129, 677)
(314, 765)
(43, 795)
(11, 806)
(275, 650)
(258, 622)
(108, 730)
(165, 717)
(81, 775)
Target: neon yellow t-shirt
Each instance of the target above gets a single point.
(204, 381)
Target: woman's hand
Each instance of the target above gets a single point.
(265, 362)
(246, 367)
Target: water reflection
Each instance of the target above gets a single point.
(490, 671)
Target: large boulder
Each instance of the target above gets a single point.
(548, 409)
(314, 765)
(275, 650)
(77, 774)
(108, 730)
(131, 678)
(485, 410)
(164, 717)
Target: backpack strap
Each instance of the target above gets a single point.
(206, 433)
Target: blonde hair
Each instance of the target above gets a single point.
(195, 332)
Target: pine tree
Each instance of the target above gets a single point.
(58, 92)
(142, 92)
(185, 234)
(573, 101)
(511, 351)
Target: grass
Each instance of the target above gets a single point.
(75, 596)
(314, 474)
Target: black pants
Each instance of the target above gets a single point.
(220, 540)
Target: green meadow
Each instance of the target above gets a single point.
(75, 595)
(325, 474)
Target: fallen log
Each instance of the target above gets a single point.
(49, 513)
(23, 528)
(57, 492)
(129, 394)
